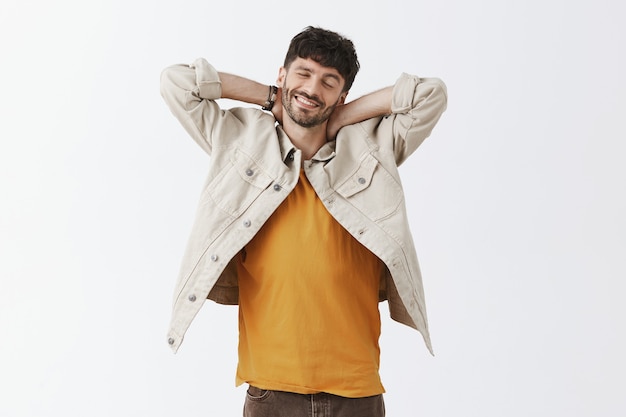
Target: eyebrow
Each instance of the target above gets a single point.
(324, 75)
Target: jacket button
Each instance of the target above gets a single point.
(247, 223)
(192, 298)
(249, 172)
(170, 341)
(214, 258)
(276, 187)
(361, 180)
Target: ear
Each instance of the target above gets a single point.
(282, 73)
(342, 97)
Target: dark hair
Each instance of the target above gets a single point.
(327, 48)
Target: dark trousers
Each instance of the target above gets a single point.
(263, 403)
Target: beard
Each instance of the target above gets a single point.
(302, 117)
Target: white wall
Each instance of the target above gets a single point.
(517, 202)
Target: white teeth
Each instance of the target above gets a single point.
(305, 101)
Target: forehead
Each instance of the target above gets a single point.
(309, 65)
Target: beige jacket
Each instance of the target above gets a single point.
(254, 167)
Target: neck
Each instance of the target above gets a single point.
(308, 139)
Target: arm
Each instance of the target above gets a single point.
(416, 106)
(243, 89)
(191, 92)
(413, 106)
(371, 105)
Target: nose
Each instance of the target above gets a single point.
(313, 87)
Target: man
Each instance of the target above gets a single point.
(302, 223)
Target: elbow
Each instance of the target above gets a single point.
(176, 82)
(166, 82)
(442, 92)
(437, 96)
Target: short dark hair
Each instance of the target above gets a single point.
(327, 48)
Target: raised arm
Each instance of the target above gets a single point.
(413, 104)
(366, 107)
(191, 92)
(243, 89)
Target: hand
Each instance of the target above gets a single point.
(334, 123)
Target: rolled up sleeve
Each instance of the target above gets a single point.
(190, 92)
(416, 104)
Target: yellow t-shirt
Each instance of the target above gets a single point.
(308, 304)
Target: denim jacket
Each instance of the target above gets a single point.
(254, 166)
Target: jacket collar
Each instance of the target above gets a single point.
(325, 153)
(286, 147)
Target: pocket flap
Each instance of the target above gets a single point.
(249, 170)
(361, 179)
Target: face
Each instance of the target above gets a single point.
(310, 91)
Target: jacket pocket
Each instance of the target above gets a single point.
(238, 185)
(372, 190)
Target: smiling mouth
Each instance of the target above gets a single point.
(306, 102)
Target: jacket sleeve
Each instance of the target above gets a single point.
(416, 105)
(190, 92)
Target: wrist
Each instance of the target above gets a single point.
(271, 98)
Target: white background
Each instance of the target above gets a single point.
(517, 202)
